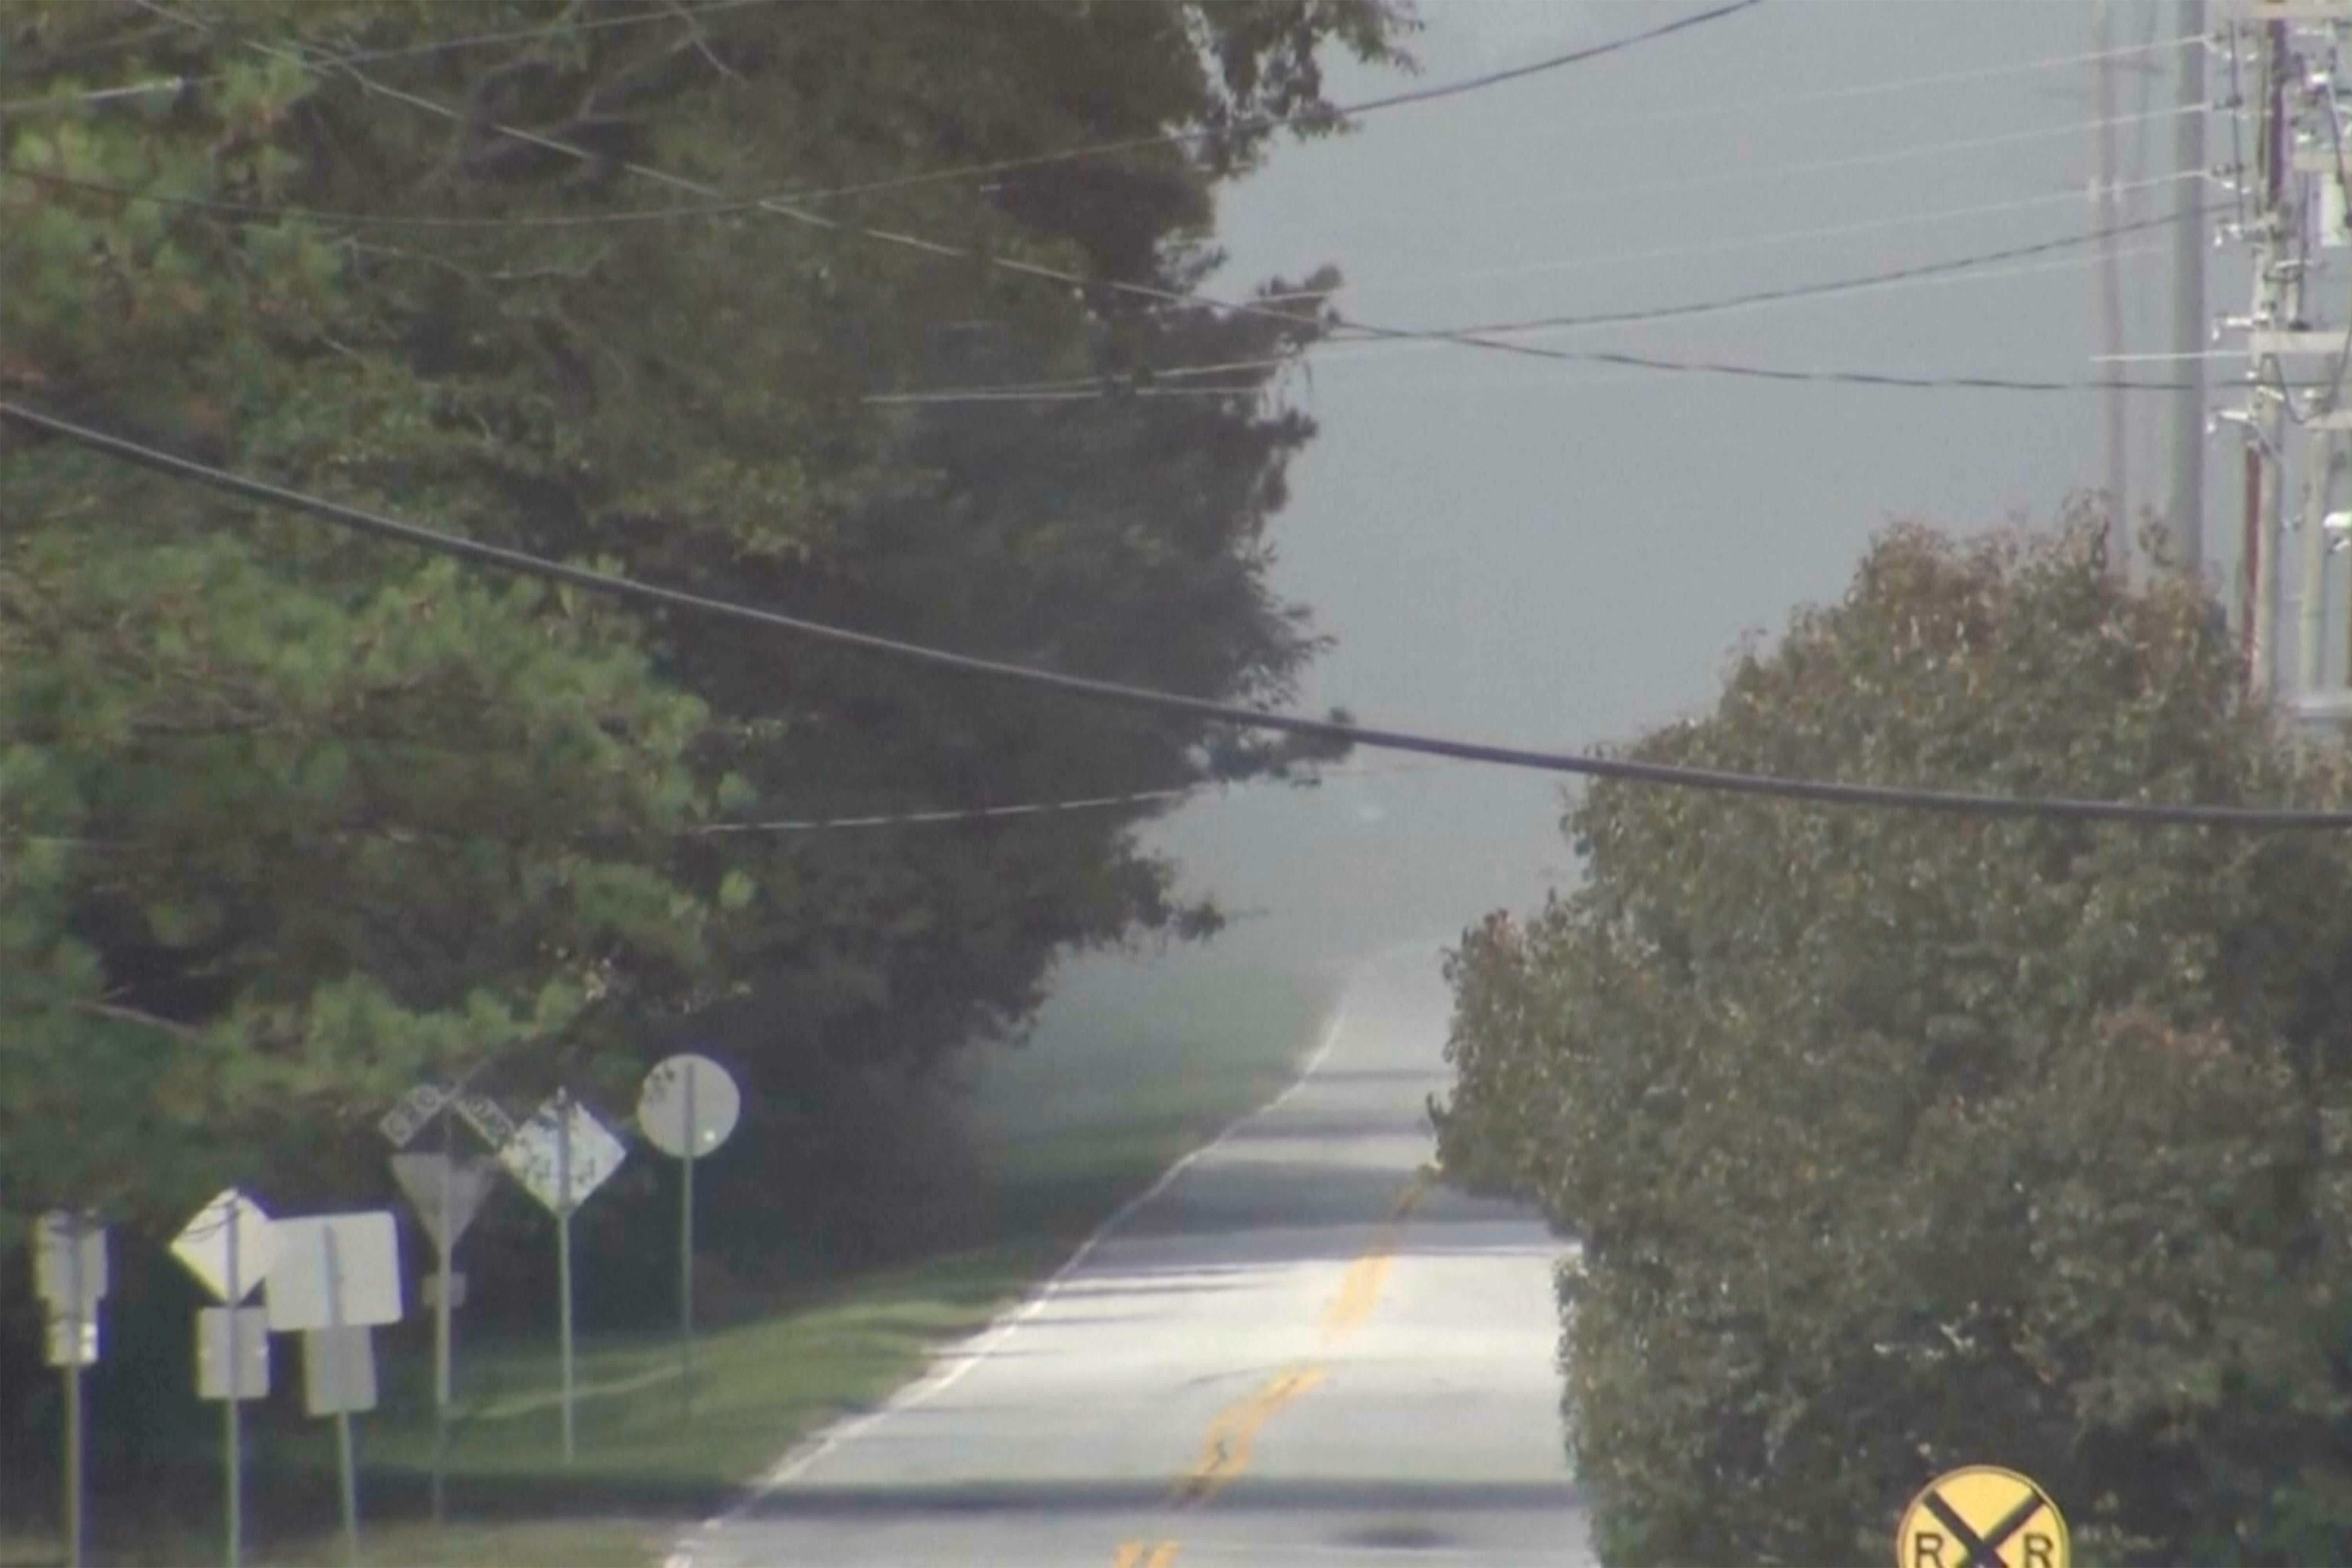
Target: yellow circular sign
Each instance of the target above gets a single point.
(1981, 1517)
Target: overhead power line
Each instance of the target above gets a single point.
(1168, 296)
(1827, 791)
(1908, 85)
(1953, 270)
(1064, 278)
(1333, 115)
(1839, 163)
(719, 205)
(673, 14)
(1747, 242)
(1848, 285)
(1144, 291)
(1051, 808)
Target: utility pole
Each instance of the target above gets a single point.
(2275, 275)
(2295, 423)
(2185, 519)
(2106, 219)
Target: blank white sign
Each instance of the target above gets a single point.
(232, 1352)
(338, 1370)
(367, 1258)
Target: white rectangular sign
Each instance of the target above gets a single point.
(302, 1294)
(338, 1370)
(62, 1349)
(68, 1255)
(232, 1352)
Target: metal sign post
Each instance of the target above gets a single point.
(445, 1243)
(560, 1156)
(230, 1246)
(685, 1255)
(233, 1409)
(72, 1373)
(69, 1273)
(445, 1192)
(563, 1251)
(345, 1470)
(340, 1278)
(688, 1105)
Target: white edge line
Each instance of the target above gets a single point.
(950, 1366)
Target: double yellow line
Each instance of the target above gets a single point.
(1225, 1448)
(1226, 1453)
(1360, 1286)
(1145, 1554)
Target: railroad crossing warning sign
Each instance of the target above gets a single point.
(1981, 1517)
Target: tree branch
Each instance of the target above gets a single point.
(121, 1015)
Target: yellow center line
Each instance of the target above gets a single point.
(1225, 1447)
(1368, 1276)
(1226, 1450)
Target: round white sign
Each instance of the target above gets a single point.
(688, 1102)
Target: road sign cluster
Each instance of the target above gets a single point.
(335, 1278)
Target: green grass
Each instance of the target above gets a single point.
(1126, 1072)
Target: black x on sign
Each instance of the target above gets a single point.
(1981, 1517)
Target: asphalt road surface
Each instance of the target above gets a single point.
(1292, 1351)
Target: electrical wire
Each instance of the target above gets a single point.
(720, 205)
(1828, 792)
(405, 51)
(1167, 296)
(1846, 230)
(1133, 290)
(1067, 279)
(1333, 115)
(1956, 269)
(1221, 788)
(717, 203)
(1749, 176)
(1046, 807)
(1901, 84)
(1093, 389)
(1953, 270)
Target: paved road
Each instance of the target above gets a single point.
(1291, 1352)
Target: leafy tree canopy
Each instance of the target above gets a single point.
(1891, 1142)
(292, 818)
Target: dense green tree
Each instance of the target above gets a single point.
(294, 818)
(1892, 1141)
(290, 818)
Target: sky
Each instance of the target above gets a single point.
(1564, 555)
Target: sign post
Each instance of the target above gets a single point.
(563, 1255)
(688, 1105)
(560, 1156)
(69, 1273)
(338, 1278)
(446, 1191)
(339, 1395)
(230, 1246)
